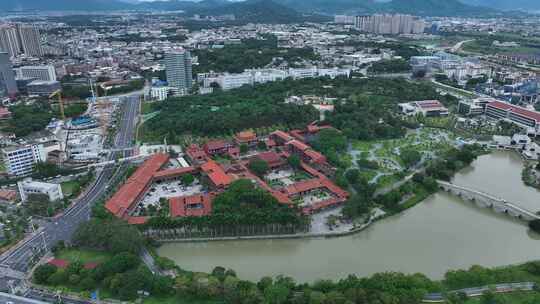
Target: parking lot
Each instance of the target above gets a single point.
(168, 190)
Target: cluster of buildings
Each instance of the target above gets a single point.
(308, 187)
(427, 108)
(227, 81)
(21, 38)
(525, 118)
(453, 66)
(384, 24)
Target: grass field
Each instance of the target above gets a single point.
(69, 188)
(83, 256)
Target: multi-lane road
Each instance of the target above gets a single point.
(64, 226)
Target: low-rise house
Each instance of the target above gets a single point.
(217, 147)
(28, 187)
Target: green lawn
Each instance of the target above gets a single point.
(84, 256)
(69, 188)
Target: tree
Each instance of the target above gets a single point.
(58, 278)
(244, 148)
(410, 157)
(259, 167)
(535, 225)
(261, 145)
(352, 175)
(43, 272)
(187, 179)
(294, 161)
(276, 294)
(219, 272)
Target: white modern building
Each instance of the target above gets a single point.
(228, 81)
(38, 72)
(28, 187)
(20, 160)
(159, 93)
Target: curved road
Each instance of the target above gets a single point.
(64, 226)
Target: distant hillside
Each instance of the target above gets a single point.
(414, 7)
(62, 5)
(330, 7)
(275, 11)
(524, 5)
(432, 8)
(261, 11)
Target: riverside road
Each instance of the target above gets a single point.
(64, 226)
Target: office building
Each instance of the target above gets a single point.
(20, 160)
(178, 71)
(30, 40)
(28, 187)
(8, 86)
(38, 72)
(9, 40)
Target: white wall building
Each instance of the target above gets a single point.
(39, 72)
(28, 187)
(20, 160)
(159, 93)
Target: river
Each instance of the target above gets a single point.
(439, 234)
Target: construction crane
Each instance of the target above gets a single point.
(60, 102)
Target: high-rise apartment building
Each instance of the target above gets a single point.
(389, 24)
(178, 71)
(19, 39)
(8, 86)
(30, 40)
(9, 40)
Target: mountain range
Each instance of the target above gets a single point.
(282, 9)
(523, 5)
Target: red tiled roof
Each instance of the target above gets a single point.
(194, 205)
(60, 263)
(272, 158)
(90, 265)
(246, 136)
(283, 135)
(298, 145)
(216, 145)
(4, 112)
(515, 109)
(334, 188)
(429, 104)
(216, 174)
(303, 186)
(137, 220)
(195, 152)
(174, 172)
(298, 134)
(315, 156)
(123, 199)
(8, 195)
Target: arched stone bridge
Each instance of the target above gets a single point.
(485, 200)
